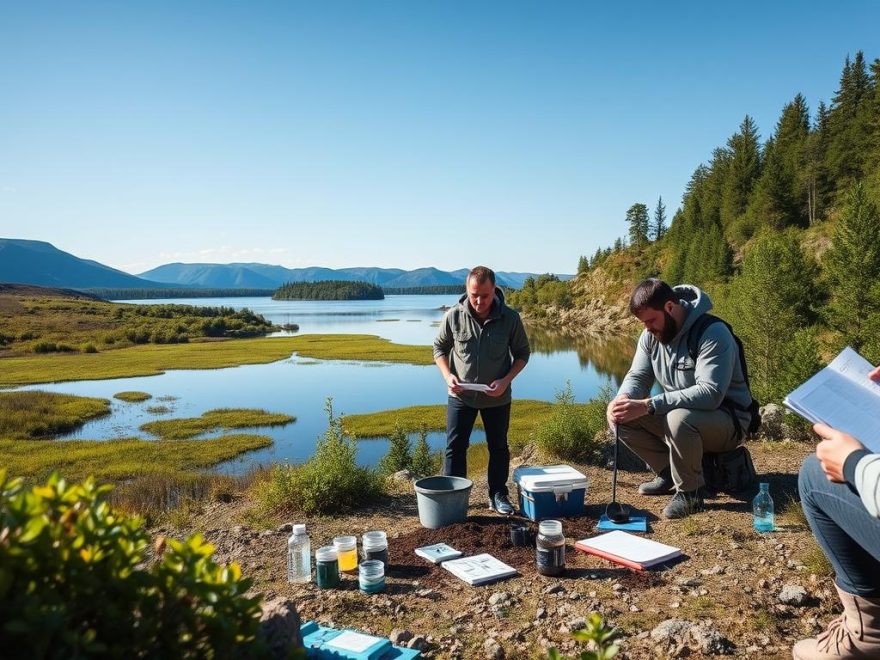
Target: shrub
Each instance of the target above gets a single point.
(424, 461)
(601, 638)
(570, 432)
(329, 482)
(75, 582)
(399, 456)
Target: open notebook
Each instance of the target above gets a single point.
(628, 549)
(478, 569)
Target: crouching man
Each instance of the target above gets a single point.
(704, 403)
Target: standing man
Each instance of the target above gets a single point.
(705, 402)
(481, 341)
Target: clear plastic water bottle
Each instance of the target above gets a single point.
(762, 508)
(299, 555)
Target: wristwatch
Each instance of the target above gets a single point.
(650, 406)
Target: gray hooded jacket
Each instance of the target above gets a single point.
(481, 354)
(716, 375)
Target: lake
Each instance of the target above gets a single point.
(299, 386)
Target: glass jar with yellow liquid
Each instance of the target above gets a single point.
(346, 549)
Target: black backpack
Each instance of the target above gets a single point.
(695, 335)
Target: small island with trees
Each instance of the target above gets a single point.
(329, 290)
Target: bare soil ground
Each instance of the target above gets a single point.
(729, 582)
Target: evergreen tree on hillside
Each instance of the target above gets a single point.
(658, 226)
(872, 110)
(637, 221)
(852, 264)
(583, 265)
(849, 124)
(780, 198)
(768, 303)
(743, 170)
(817, 187)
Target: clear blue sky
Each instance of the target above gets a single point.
(396, 134)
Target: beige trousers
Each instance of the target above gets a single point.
(678, 439)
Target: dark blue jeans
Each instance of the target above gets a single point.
(848, 534)
(460, 419)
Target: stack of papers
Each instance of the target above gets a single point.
(437, 553)
(628, 549)
(478, 569)
(475, 387)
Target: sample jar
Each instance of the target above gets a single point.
(346, 549)
(375, 546)
(327, 567)
(371, 576)
(550, 548)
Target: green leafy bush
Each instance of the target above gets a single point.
(571, 431)
(424, 461)
(75, 581)
(329, 482)
(399, 456)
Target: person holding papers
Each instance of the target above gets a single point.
(480, 348)
(840, 495)
(705, 402)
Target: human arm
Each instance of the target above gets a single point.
(443, 344)
(845, 459)
(450, 378)
(521, 351)
(631, 402)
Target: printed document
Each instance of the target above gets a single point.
(842, 396)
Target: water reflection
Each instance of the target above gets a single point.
(299, 387)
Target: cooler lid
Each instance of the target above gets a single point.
(549, 478)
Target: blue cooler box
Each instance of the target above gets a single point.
(553, 491)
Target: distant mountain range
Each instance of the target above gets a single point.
(40, 263)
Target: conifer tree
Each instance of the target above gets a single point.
(768, 303)
(849, 124)
(637, 220)
(817, 187)
(658, 227)
(852, 264)
(424, 462)
(583, 265)
(742, 171)
(399, 456)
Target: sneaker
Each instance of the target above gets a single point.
(684, 504)
(661, 485)
(500, 503)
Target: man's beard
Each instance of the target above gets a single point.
(670, 329)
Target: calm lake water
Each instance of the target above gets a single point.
(299, 386)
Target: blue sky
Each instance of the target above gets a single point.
(395, 134)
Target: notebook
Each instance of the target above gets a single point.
(437, 553)
(628, 549)
(478, 569)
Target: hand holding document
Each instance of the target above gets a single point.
(842, 396)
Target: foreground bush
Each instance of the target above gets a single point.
(331, 481)
(75, 582)
(572, 431)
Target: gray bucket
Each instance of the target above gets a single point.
(442, 500)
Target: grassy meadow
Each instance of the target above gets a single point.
(34, 415)
(214, 420)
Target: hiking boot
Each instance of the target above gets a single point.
(854, 634)
(684, 504)
(661, 485)
(500, 503)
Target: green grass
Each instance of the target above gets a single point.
(213, 420)
(45, 414)
(132, 397)
(116, 460)
(525, 418)
(158, 410)
(153, 359)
